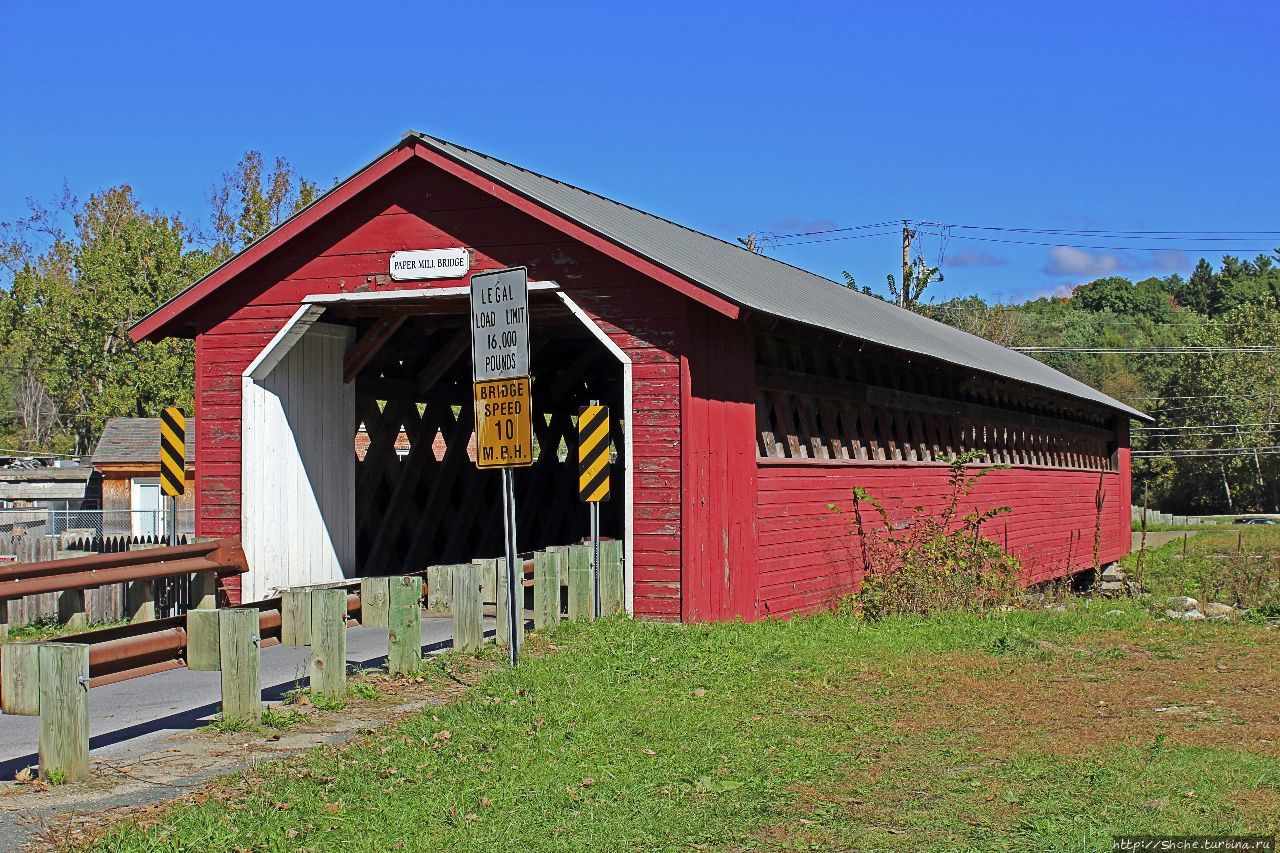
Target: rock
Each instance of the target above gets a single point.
(1183, 602)
(1190, 615)
(1217, 610)
(1032, 599)
(1057, 608)
(1112, 573)
(1111, 587)
(1115, 613)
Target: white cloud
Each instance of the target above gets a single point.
(975, 258)
(1068, 261)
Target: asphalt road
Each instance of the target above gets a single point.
(127, 717)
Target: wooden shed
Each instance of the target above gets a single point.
(748, 395)
(128, 458)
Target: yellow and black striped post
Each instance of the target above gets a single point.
(173, 452)
(593, 478)
(593, 453)
(173, 466)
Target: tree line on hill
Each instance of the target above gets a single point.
(1200, 354)
(75, 275)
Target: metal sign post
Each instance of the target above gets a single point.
(593, 479)
(504, 419)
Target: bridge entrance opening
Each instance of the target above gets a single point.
(419, 498)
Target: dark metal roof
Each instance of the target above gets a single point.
(767, 285)
(136, 440)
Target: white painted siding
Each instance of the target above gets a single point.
(298, 475)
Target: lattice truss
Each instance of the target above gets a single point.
(818, 400)
(419, 498)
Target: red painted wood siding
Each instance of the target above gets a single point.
(718, 447)
(808, 554)
(420, 207)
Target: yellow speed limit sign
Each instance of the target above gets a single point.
(504, 423)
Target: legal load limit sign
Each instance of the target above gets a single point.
(500, 324)
(504, 427)
(500, 368)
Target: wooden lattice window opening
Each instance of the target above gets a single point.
(818, 402)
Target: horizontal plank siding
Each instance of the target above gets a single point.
(809, 555)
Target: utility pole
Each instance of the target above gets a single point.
(907, 236)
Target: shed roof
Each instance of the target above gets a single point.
(752, 280)
(136, 440)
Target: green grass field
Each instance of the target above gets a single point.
(1234, 565)
(1023, 731)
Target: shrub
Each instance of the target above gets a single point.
(932, 563)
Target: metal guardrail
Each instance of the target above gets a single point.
(141, 648)
(222, 556)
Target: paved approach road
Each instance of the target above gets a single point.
(128, 716)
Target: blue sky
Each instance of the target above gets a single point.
(730, 118)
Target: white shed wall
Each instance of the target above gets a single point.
(298, 475)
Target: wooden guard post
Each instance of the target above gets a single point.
(240, 662)
(20, 679)
(502, 630)
(295, 617)
(580, 585)
(64, 711)
(468, 618)
(546, 589)
(404, 636)
(374, 593)
(329, 643)
(439, 588)
(204, 640)
(612, 595)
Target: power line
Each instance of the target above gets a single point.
(1159, 437)
(832, 230)
(1076, 232)
(1211, 426)
(1165, 236)
(1148, 430)
(1210, 452)
(1193, 410)
(1191, 350)
(835, 239)
(1016, 312)
(1205, 396)
(1114, 248)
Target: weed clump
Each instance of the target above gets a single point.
(933, 562)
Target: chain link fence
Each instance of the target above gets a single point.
(91, 523)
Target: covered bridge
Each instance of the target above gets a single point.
(748, 396)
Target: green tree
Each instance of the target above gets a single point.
(915, 281)
(79, 276)
(1149, 298)
(247, 203)
(75, 302)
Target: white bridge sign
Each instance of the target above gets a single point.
(421, 264)
(500, 324)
